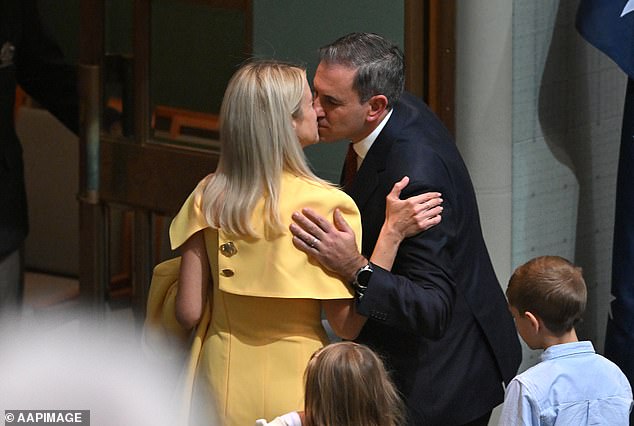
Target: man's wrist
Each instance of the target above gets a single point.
(359, 263)
(362, 279)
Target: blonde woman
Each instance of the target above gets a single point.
(253, 297)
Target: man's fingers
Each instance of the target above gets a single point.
(340, 222)
(307, 238)
(301, 245)
(316, 220)
(308, 224)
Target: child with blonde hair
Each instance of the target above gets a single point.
(346, 385)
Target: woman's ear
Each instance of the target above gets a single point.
(378, 106)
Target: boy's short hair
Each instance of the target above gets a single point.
(552, 288)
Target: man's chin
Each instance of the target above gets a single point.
(324, 134)
(326, 139)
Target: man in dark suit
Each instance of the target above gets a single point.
(439, 317)
(30, 58)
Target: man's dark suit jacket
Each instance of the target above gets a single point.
(440, 319)
(29, 58)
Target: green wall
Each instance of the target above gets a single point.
(195, 50)
(291, 30)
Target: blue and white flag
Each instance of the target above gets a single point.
(609, 26)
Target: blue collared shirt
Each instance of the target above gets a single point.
(572, 385)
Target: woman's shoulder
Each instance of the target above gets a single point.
(300, 191)
(307, 188)
(190, 217)
(201, 185)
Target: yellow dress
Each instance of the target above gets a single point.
(264, 314)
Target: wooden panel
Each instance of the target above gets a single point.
(442, 60)
(141, 70)
(151, 176)
(415, 47)
(91, 31)
(142, 263)
(430, 55)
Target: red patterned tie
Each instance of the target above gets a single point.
(349, 167)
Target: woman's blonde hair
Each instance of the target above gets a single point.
(258, 142)
(347, 385)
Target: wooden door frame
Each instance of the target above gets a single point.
(92, 274)
(430, 55)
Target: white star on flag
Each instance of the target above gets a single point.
(629, 7)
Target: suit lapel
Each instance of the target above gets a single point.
(367, 178)
(374, 163)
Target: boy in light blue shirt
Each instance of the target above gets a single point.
(572, 385)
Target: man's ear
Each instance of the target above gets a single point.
(378, 106)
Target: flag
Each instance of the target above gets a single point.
(609, 26)
(619, 337)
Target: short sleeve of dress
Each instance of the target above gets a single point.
(190, 219)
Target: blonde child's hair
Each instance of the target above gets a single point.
(348, 385)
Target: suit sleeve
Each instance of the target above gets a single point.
(418, 295)
(42, 71)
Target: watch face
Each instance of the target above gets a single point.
(363, 278)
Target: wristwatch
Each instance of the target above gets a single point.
(361, 279)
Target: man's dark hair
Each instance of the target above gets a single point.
(379, 63)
